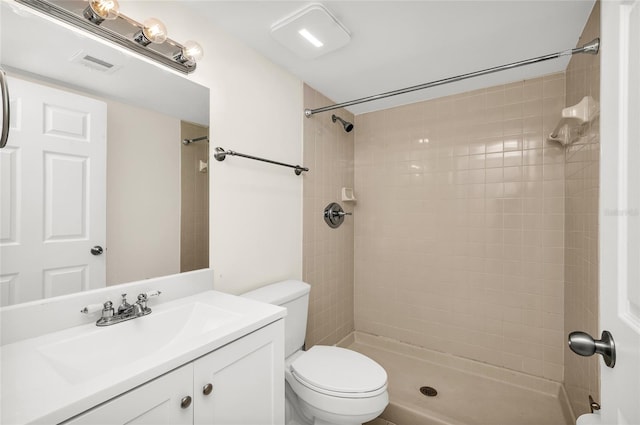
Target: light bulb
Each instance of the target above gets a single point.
(106, 9)
(154, 30)
(99, 10)
(192, 51)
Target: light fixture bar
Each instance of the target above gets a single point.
(101, 31)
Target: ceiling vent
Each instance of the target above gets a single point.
(94, 62)
(311, 32)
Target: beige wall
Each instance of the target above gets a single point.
(194, 211)
(327, 252)
(581, 226)
(143, 194)
(459, 229)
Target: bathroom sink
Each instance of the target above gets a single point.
(94, 352)
(65, 365)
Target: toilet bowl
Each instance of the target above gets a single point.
(336, 385)
(325, 385)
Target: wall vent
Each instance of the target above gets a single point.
(93, 62)
(97, 62)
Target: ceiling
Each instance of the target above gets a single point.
(396, 44)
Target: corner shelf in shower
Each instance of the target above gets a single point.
(569, 128)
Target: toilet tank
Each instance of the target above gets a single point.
(294, 296)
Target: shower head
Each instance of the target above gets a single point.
(346, 124)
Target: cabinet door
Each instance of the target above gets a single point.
(247, 378)
(154, 403)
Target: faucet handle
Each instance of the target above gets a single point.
(140, 306)
(144, 297)
(91, 308)
(142, 300)
(107, 309)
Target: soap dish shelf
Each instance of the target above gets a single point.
(574, 117)
(348, 195)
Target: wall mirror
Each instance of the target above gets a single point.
(96, 186)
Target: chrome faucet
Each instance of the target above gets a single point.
(124, 308)
(125, 311)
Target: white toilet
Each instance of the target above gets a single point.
(324, 385)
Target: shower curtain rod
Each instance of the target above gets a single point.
(591, 48)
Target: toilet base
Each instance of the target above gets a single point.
(322, 417)
(292, 413)
(298, 412)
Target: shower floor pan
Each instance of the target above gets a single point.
(468, 392)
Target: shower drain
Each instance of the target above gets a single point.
(428, 391)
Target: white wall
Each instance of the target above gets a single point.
(256, 108)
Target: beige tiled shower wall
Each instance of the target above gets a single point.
(194, 209)
(459, 237)
(581, 226)
(327, 252)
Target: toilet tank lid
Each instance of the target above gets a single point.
(279, 293)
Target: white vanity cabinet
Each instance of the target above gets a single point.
(240, 383)
(156, 402)
(245, 386)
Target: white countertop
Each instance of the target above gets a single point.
(33, 390)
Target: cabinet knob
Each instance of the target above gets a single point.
(206, 390)
(185, 402)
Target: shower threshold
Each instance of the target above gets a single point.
(468, 392)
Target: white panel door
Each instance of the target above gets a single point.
(620, 208)
(52, 194)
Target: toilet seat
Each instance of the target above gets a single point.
(339, 372)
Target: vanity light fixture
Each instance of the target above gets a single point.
(100, 10)
(103, 19)
(153, 31)
(191, 52)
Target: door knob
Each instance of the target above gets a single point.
(583, 344)
(97, 250)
